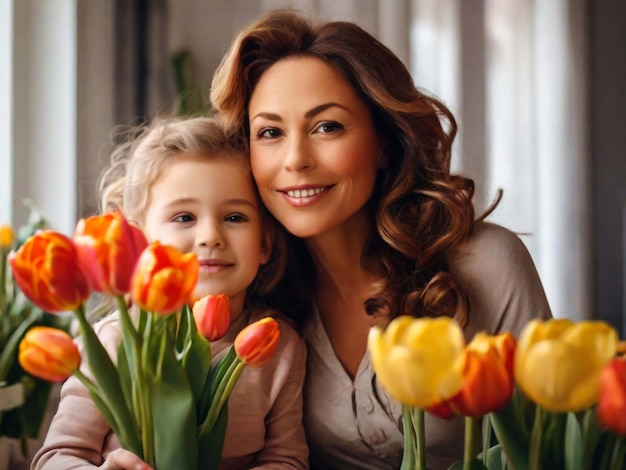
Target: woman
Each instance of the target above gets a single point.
(354, 162)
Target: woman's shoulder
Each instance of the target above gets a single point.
(498, 275)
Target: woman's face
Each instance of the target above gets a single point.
(314, 150)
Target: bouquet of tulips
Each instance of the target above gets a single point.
(23, 398)
(554, 399)
(164, 382)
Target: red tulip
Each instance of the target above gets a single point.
(108, 249)
(212, 315)
(488, 381)
(441, 410)
(612, 402)
(48, 353)
(164, 279)
(256, 343)
(46, 269)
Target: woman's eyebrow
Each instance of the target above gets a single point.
(309, 114)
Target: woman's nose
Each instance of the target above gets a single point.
(299, 156)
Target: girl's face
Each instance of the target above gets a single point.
(210, 208)
(313, 147)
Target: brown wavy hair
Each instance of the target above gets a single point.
(421, 212)
(145, 150)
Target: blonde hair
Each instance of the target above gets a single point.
(144, 150)
(143, 153)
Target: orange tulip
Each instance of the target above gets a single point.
(46, 269)
(212, 315)
(108, 249)
(612, 403)
(488, 381)
(256, 343)
(164, 279)
(48, 353)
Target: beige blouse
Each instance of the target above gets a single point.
(264, 428)
(355, 424)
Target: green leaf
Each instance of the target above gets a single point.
(174, 418)
(214, 378)
(196, 359)
(573, 444)
(591, 435)
(509, 428)
(9, 353)
(473, 465)
(495, 458)
(109, 384)
(211, 444)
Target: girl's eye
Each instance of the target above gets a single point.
(236, 218)
(269, 133)
(328, 127)
(183, 218)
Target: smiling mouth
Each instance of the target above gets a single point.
(305, 192)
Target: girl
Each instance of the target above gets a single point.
(354, 161)
(186, 184)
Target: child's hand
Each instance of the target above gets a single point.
(121, 459)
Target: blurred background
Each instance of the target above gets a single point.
(538, 87)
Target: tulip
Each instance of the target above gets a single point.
(256, 343)
(558, 363)
(212, 315)
(418, 360)
(108, 249)
(487, 375)
(49, 354)
(612, 402)
(46, 269)
(6, 236)
(164, 279)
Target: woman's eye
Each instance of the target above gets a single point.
(183, 218)
(236, 218)
(328, 127)
(269, 133)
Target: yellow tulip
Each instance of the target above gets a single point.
(6, 236)
(418, 360)
(558, 362)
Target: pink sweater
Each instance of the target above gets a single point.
(264, 412)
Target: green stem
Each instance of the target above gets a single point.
(535, 439)
(469, 448)
(146, 372)
(420, 432)
(222, 394)
(137, 352)
(410, 440)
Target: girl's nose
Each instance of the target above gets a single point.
(210, 235)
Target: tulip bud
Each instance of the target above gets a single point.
(164, 279)
(212, 315)
(418, 360)
(256, 343)
(558, 362)
(49, 354)
(46, 269)
(6, 236)
(612, 402)
(108, 249)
